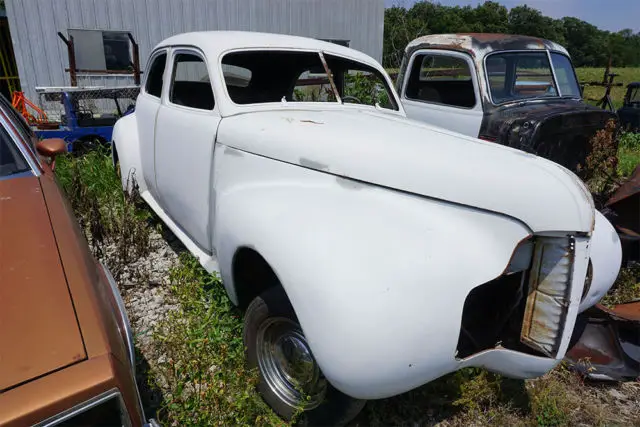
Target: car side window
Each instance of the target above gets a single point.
(190, 83)
(441, 79)
(153, 85)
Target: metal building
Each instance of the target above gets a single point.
(101, 44)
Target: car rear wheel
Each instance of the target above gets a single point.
(291, 381)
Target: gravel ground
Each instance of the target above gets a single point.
(144, 285)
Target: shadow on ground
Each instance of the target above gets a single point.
(444, 400)
(150, 394)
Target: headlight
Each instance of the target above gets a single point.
(549, 287)
(106, 409)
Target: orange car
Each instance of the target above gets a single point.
(66, 348)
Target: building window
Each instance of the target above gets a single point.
(102, 50)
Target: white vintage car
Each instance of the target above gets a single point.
(372, 253)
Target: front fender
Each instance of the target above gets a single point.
(606, 259)
(377, 277)
(125, 139)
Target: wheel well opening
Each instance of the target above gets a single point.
(252, 275)
(114, 154)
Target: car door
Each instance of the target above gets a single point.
(441, 88)
(147, 107)
(185, 136)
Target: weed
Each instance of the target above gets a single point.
(114, 222)
(202, 368)
(626, 288)
(600, 172)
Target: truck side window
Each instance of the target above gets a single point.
(441, 79)
(156, 73)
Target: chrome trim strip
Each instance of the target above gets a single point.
(85, 406)
(123, 317)
(15, 139)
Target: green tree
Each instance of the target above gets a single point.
(492, 17)
(587, 44)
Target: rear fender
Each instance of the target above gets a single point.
(125, 139)
(377, 278)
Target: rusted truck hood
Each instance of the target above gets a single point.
(558, 130)
(410, 156)
(38, 328)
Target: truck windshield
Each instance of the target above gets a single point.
(523, 75)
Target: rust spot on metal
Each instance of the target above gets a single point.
(607, 343)
(630, 188)
(549, 292)
(625, 205)
(481, 44)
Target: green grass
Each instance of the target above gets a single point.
(628, 153)
(626, 76)
(203, 367)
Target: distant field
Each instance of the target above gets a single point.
(626, 76)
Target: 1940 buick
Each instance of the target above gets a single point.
(372, 253)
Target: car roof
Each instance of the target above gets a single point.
(482, 44)
(215, 43)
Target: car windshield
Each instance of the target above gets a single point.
(522, 75)
(255, 77)
(11, 160)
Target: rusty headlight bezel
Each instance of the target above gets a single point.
(549, 293)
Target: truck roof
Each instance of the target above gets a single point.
(481, 44)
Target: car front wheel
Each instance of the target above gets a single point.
(291, 381)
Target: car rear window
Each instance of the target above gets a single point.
(11, 160)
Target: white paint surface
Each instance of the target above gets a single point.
(377, 226)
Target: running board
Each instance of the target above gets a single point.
(208, 262)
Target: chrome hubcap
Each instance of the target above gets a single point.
(287, 365)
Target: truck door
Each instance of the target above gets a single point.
(441, 88)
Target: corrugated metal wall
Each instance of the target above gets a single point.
(42, 57)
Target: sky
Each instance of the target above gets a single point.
(612, 15)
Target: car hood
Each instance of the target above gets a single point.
(38, 328)
(402, 154)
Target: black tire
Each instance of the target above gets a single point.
(335, 409)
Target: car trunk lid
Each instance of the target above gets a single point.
(39, 331)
